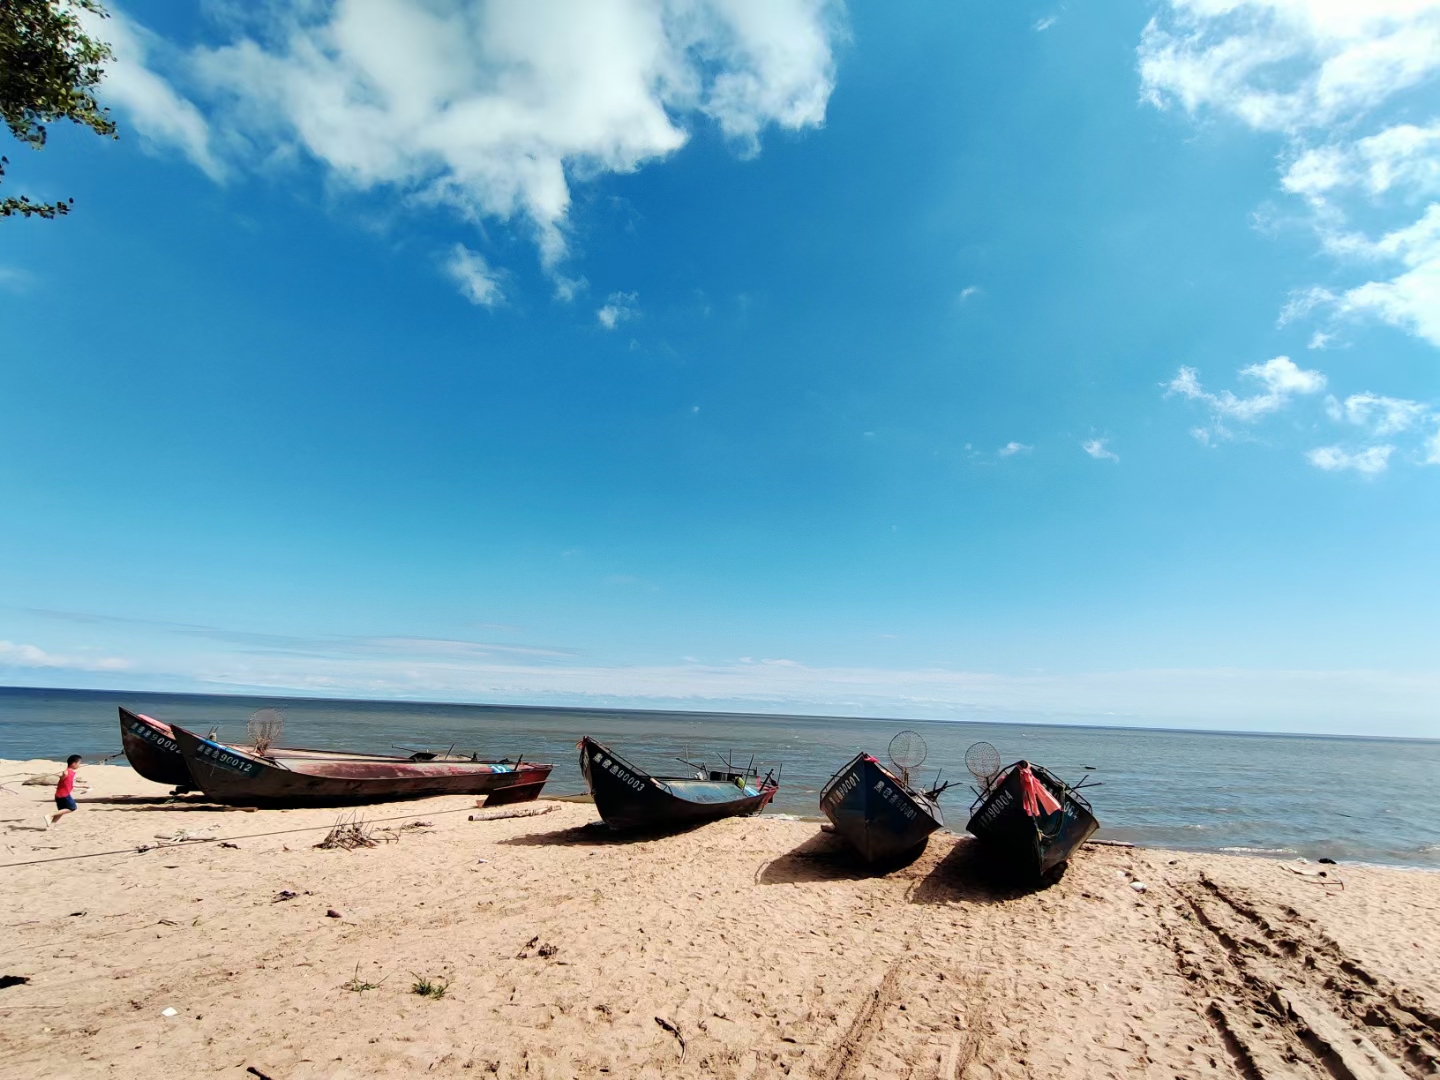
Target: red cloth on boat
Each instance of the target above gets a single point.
(1034, 794)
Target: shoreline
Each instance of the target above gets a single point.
(1104, 837)
(758, 940)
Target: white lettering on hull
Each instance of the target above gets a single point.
(620, 773)
(895, 798)
(996, 808)
(843, 788)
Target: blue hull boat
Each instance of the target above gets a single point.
(630, 798)
(877, 813)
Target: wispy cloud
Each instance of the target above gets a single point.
(448, 647)
(1096, 449)
(19, 655)
(619, 307)
(1378, 414)
(1394, 703)
(477, 281)
(1041, 25)
(161, 115)
(1280, 380)
(1334, 80)
(1432, 448)
(1371, 460)
(1377, 418)
(969, 291)
(1010, 449)
(263, 642)
(439, 668)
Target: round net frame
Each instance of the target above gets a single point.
(265, 727)
(907, 750)
(983, 761)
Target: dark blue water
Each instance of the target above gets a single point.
(1348, 798)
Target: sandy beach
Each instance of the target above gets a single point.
(747, 948)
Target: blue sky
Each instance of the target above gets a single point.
(976, 360)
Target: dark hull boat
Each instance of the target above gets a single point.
(1030, 822)
(231, 774)
(629, 798)
(877, 813)
(151, 749)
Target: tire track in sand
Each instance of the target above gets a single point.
(1286, 1000)
(845, 1059)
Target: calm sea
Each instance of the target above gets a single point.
(1352, 799)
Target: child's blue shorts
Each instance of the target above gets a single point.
(66, 802)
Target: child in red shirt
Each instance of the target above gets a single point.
(64, 791)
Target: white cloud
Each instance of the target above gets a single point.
(1010, 449)
(1432, 448)
(161, 115)
(1403, 156)
(477, 281)
(1096, 449)
(494, 108)
(1303, 302)
(1380, 415)
(13, 655)
(1371, 460)
(1285, 65)
(619, 307)
(1280, 378)
(1041, 25)
(567, 288)
(969, 291)
(1411, 300)
(1330, 75)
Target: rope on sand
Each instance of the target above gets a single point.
(143, 848)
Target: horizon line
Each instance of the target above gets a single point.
(726, 713)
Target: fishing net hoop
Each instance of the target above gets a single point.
(983, 761)
(908, 750)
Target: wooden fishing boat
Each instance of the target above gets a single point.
(1030, 821)
(151, 749)
(153, 752)
(877, 812)
(232, 774)
(630, 798)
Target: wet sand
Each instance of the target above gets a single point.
(763, 949)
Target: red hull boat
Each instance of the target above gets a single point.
(231, 774)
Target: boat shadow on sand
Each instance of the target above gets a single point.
(152, 803)
(826, 857)
(945, 871)
(967, 875)
(597, 833)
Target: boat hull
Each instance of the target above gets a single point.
(231, 775)
(628, 798)
(152, 750)
(1024, 848)
(878, 815)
